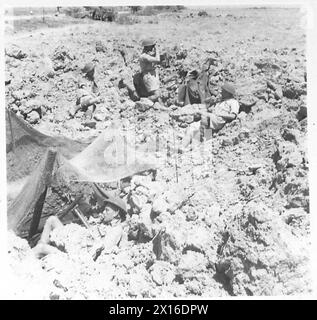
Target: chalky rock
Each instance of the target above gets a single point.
(62, 59)
(21, 94)
(247, 102)
(33, 117)
(162, 272)
(264, 243)
(301, 113)
(167, 245)
(145, 224)
(30, 105)
(144, 104)
(294, 90)
(290, 155)
(230, 218)
(278, 94)
(15, 52)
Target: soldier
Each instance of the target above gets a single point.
(224, 111)
(107, 207)
(146, 83)
(87, 91)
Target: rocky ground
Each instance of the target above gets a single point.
(229, 218)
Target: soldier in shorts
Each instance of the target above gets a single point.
(224, 111)
(87, 91)
(146, 83)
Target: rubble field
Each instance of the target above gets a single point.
(229, 218)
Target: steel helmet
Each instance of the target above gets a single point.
(104, 196)
(229, 88)
(148, 42)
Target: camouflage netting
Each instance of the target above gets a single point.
(26, 147)
(36, 161)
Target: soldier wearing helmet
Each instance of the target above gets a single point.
(87, 91)
(146, 83)
(149, 58)
(224, 111)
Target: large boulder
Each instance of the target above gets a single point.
(15, 52)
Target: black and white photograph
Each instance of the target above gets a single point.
(157, 151)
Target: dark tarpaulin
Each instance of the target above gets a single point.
(39, 180)
(41, 161)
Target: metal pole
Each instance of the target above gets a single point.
(37, 214)
(83, 220)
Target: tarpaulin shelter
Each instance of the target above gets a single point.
(36, 161)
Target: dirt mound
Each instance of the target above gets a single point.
(28, 280)
(261, 256)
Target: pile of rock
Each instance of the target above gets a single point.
(62, 59)
(25, 103)
(271, 93)
(294, 90)
(261, 256)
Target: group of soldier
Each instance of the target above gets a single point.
(146, 83)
